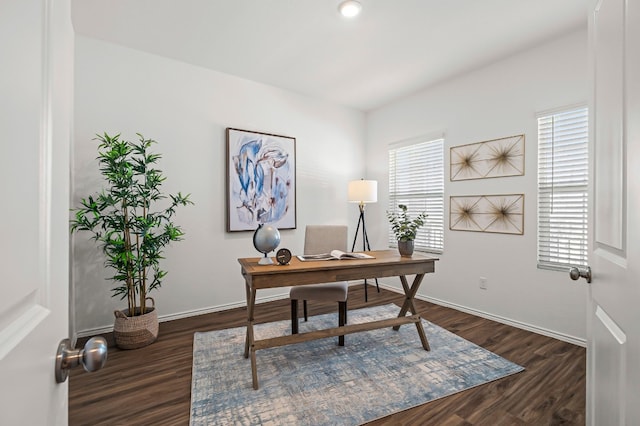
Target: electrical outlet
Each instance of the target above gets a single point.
(483, 283)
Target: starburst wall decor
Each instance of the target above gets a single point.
(494, 158)
(502, 214)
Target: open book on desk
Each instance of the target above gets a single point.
(334, 255)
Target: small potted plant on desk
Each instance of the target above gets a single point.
(131, 232)
(405, 229)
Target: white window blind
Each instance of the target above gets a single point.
(416, 179)
(563, 179)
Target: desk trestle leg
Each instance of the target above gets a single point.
(249, 343)
(410, 293)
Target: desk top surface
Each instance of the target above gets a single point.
(251, 267)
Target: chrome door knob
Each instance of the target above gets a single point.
(576, 273)
(92, 357)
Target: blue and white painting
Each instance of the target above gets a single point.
(261, 180)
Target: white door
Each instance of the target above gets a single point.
(613, 341)
(36, 78)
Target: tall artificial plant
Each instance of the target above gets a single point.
(126, 220)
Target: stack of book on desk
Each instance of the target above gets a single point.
(334, 255)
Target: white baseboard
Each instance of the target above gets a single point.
(518, 324)
(163, 318)
(108, 329)
(492, 317)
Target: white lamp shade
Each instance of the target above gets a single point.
(363, 191)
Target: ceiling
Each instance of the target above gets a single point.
(394, 48)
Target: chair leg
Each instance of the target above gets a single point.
(342, 319)
(304, 308)
(294, 316)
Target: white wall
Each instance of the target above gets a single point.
(186, 109)
(497, 101)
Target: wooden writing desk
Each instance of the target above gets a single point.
(387, 263)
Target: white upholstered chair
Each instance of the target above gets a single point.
(322, 239)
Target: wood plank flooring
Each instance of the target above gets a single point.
(152, 385)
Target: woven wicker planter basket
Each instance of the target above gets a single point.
(132, 332)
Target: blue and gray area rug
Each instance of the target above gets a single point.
(375, 374)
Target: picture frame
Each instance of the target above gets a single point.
(260, 180)
(501, 214)
(489, 159)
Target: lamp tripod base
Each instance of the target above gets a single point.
(365, 247)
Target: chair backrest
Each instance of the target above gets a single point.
(324, 238)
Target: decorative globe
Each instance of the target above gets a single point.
(266, 239)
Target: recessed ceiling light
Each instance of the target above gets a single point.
(350, 8)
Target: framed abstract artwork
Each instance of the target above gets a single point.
(502, 214)
(261, 180)
(495, 158)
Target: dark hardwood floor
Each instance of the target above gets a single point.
(152, 385)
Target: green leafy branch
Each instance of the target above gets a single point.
(121, 219)
(404, 228)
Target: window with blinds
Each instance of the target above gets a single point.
(563, 179)
(416, 179)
